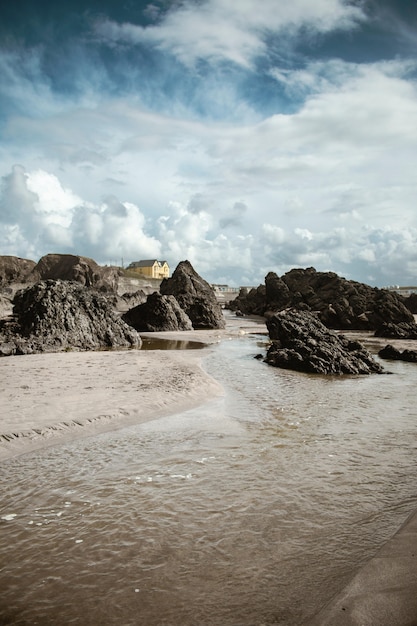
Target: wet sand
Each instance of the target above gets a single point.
(47, 399)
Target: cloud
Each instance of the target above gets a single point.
(245, 140)
(216, 31)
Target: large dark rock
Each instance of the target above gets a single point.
(411, 303)
(301, 342)
(195, 296)
(13, 269)
(393, 354)
(77, 269)
(250, 301)
(53, 316)
(403, 330)
(158, 313)
(340, 303)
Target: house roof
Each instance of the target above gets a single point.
(147, 263)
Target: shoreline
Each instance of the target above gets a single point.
(53, 398)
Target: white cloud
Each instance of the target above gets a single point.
(215, 30)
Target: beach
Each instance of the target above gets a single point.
(53, 399)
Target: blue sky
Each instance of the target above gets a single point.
(247, 136)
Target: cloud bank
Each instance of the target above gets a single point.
(243, 140)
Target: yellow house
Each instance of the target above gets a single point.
(151, 268)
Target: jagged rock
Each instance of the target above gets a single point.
(250, 301)
(403, 330)
(13, 269)
(53, 316)
(393, 354)
(341, 303)
(301, 342)
(128, 300)
(74, 268)
(411, 303)
(158, 313)
(195, 296)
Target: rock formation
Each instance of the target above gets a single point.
(195, 296)
(53, 316)
(340, 303)
(14, 270)
(78, 269)
(393, 354)
(301, 342)
(403, 330)
(158, 313)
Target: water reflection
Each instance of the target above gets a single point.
(156, 343)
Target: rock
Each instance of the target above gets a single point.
(195, 296)
(250, 301)
(53, 316)
(403, 330)
(128, 300)
(411, 303)
(301, 342)
(341, 303)
(393, 354)
(77, 269)
(13, 269)
(158, 313)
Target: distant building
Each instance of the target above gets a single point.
(403, 291)
(151, 268)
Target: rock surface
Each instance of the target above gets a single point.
(403, 330)
(195, 296)
(341, 303)
(77, 269)
(301, 342)
(393, 354)
(13, 269)
(158, 313)
(53, 316)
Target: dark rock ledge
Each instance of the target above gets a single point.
(301, 342)
(393, 354)
(55, 316)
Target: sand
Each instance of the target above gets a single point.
(46, 399)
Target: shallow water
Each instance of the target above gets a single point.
(251, 510)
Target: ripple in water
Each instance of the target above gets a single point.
(253, 509)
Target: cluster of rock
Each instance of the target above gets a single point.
(69, 302)
(185, 302)
(393, 354)
(340, 303)
(56, 315)
(301, 342)
(158, 313)
(403, 330)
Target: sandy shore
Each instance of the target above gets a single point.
(47, 399)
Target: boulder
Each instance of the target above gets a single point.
(403, 330)
(158, 313)
(250, 301)
(129, 299)
(195, 296)
(54, 316)
(13, 269)
(77, 269)
(393, 354)
(411, 303)
(301, 342)
(341, 304)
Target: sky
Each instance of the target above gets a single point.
(245, 136)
